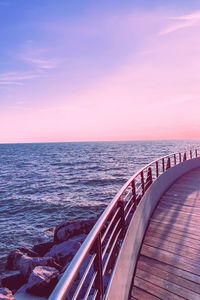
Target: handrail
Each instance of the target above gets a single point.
(96, 275)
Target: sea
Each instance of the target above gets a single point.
(45, 184)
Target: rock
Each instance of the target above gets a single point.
(22, 294)
(13, 259)
(43, 248)
(42, 281)
(71, 228)
(27, 264)
(13, 282)
(15, 255)
(64, 252)
(79, 238)
(6, 294)
(50, 232)
(29, 252)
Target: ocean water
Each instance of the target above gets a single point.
(43, 185)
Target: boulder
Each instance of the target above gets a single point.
(79, 238)
(13, 259)
(15, 255)
(17, 260)
(27, 264)
(6, 294)
(43, 248)
(13, 282)
(64, 252)
(71, 228)
(42, 281)
(29, 252)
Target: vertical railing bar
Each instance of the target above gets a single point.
(98, 267)
(168, 163)
(142, 181)
(148, 179)
(175, 159)
(191, 154)
(196, 152)
(134, 194)
(157, 171)
(121, 205)
(163, 165)
(179, 157)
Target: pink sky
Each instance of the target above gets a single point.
(150, 89)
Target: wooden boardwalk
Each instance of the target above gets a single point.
(169, 263)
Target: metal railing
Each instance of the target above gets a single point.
(90, 271)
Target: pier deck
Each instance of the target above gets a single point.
(169, 260)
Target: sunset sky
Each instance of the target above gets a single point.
(99, 70)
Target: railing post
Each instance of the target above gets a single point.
(174, 159)
(98, 268)
(157, 172)
(122, 216)
(179, 157)
(142, 182)
(163, 165)
(184, 156)
(149, 179)
(196, 153)
(134, 194)
(168, 163)
(191, 154)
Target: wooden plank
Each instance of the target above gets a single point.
(178, 220)
(184, 188)
(168, 285)
(184, 251)
(181, 230)
(150, 268)
(182, 208)
(171, 259)
(176, 215)
(155, 290)
(170, 268)
(175, 194)
(141, 294)
(178, 227)
(182, 201)
(182, 194)
(174, 238)
(170, 210)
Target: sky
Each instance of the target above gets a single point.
(99, 70)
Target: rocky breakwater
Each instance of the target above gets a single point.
(37, 270)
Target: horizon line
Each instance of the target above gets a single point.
(102, 141)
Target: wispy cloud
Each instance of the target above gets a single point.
(184, 21)
(37, 57)
(10, 78)
(41, 63)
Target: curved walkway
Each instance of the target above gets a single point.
(168, 267)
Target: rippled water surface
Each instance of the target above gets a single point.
(42, 185)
